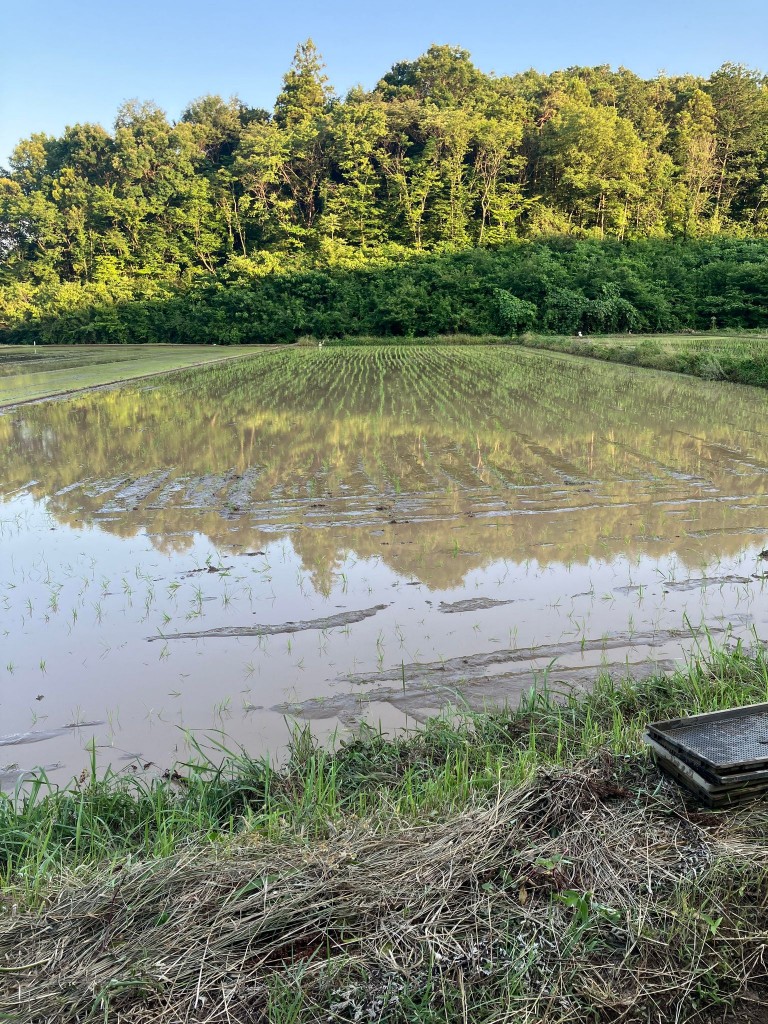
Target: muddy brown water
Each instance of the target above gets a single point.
(353, 535)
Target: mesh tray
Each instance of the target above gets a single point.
(726, 742)
(750, 776)
(702, 788)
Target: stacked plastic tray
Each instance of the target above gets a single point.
(721, 757)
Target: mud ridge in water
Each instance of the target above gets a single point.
(457, 669)
(15, 739)
(422, 699)
(208, 569)
(472, 604)
(329, 622)
(683, 585)
(705, 582)
(11, 775)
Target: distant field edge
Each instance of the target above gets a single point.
(61, 382)
(740, 357)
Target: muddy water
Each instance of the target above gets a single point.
(353, 535)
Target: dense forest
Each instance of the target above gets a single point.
(444, 199)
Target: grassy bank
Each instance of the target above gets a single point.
(526, 865)
(739, 358)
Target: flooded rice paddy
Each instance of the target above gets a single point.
(28, 373)
(354, 535)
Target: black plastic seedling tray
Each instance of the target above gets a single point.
(723, 745)
(714, 792)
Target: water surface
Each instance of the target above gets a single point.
(360, 534)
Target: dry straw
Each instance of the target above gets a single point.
(589, 903)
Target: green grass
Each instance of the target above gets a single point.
(452, 762)
(526, 864)
(29, 374)
(736, 357)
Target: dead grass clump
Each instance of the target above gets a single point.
(569, 898)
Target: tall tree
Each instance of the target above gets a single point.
(355, 131)
(596, 164)
(300, 113)
(740, 99)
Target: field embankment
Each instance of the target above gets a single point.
(741, 359)
(527, 865)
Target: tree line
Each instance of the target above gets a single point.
(403, 187)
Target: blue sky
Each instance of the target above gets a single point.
(64, 63)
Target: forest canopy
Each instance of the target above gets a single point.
(437, 160)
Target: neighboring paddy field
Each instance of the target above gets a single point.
(29, 373)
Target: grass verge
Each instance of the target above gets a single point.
(738, 358)
(526, 865)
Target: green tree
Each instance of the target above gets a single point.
(596, 165)
(352, 211)
(443, 77)
(740, 99)
(300, 114)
